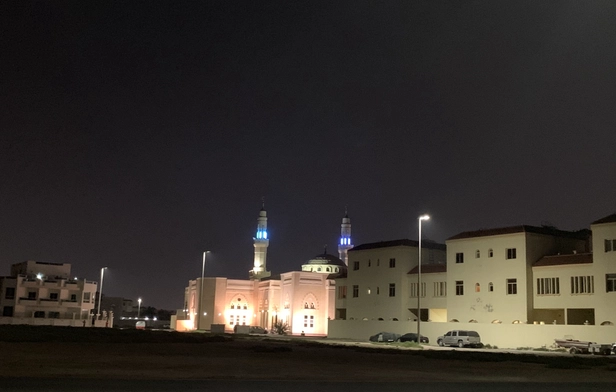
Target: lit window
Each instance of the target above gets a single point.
(477, 288)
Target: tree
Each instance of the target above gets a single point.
(281, 328)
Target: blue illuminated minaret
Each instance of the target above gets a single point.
(261, 242)
(345, 238)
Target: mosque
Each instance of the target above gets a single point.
(304, 300)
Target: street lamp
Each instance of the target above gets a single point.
(100, 291)
(421, 218)
(138, 308)
(201, 289)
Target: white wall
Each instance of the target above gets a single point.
(501, 335)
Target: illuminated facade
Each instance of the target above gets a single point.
(302, 299)
(40, 293)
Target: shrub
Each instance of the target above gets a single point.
(281, 328)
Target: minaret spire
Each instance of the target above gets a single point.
(261, 242)
(345, 237)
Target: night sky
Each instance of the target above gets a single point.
(136, 136)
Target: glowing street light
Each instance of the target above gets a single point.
(100, 291)
(201, 288)
(421, 218)
(138, 308)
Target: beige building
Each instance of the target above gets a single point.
(40, 293)
(381, 285)
(304, 300)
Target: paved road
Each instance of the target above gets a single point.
(95, 385)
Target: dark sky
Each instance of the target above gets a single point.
(136, 135)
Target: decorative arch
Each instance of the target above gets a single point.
(496, 321)
(310, 301)
(239, 302)
(454, 321)
(607, 322)
(472, 321)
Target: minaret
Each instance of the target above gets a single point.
(345, 238)
(261, 243)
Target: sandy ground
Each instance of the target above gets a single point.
(255, 359)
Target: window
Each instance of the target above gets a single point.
(73, 297)
(355, 265)
(477, 288)
(32, 295)
(548, 286)
(319, 269)
(53, 296)
(308, 321)
(440, 289)
(582, 285)
(392, 263)
(610, 245)
(392, 289)
(459, 287)
(459, 258)
(378, 262)
(9, 293)
(39, 314)
(368, 291)
(477, 254)
(511, 253)
(512, 286)
(342, 292)
(490, 252)
(377, 291)
(355, 291)
(369, 263)
(7, 311)
(490, 287)
(54, 315)
(414, 289)
(86, 297)
(610, 282)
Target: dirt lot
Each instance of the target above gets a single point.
(146, 355)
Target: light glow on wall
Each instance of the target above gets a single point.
(262, 234)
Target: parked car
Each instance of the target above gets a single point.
(384, 337)
(412, 337)
(258, 330)
(460, 338)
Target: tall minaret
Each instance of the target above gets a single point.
(345, 238)
(261, 243)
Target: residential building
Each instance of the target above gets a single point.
(39, 293)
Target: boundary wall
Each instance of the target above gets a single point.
(501, 335)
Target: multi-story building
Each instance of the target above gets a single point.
(44, 294)
(381, 284)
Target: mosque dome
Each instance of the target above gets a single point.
(325, 263)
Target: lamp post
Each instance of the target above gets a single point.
(421, 218)
(201, 289)
(138, 308)
(100, 291)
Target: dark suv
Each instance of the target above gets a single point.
(460, 338)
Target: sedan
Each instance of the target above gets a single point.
(384, 337)
(412, 337)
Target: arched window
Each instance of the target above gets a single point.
(472, 321)
(477, 287)
(305, 305)
(454, 321)
(477, 254)
(328, 269)
(490, 287)
(490, 252)
(312, 305)
(319, 269)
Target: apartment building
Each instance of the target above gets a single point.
(40, 293)
(380, 283)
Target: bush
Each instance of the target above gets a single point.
(281, 328)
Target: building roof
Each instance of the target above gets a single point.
(547, 230)
(607, 219)
(425, 244)
(575, 258)
(429, 269)
(325, 258)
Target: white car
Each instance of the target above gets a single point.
(460, 338)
